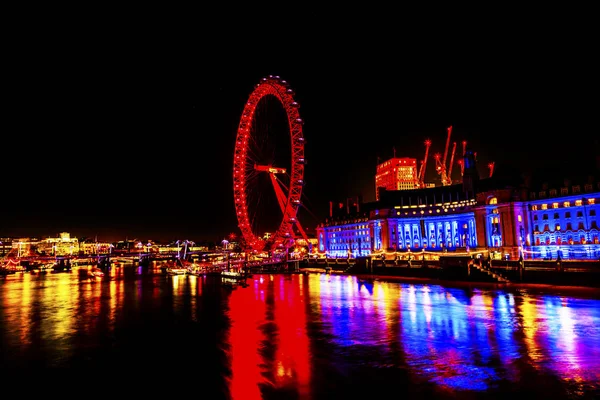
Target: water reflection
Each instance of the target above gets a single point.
(305, 336)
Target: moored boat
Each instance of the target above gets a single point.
(233, 274)
(92, 273)
(176, 271)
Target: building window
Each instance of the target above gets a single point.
(567, 204)
(545, 216)
(568, 214)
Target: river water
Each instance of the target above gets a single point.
(313, 336)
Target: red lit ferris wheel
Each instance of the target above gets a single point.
(268, 167)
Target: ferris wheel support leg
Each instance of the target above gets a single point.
(278, 192)
(281, 197)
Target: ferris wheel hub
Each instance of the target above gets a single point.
(270, 169)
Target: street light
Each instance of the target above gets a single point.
(585, 227)
(522, 238)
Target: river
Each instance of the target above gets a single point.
(301, 336)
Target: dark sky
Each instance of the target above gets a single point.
(133, 136)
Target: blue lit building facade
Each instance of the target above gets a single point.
(564, 223)
(478, 215)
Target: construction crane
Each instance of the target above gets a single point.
(491, 167)
(449, 177)
(460, 160)
(420, 182)
(441, 165)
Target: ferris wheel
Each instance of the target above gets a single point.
(268, 167)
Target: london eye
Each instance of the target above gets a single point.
(268, 167)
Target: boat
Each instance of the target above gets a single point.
(90, 273)
(47, 266)
(176, 267)
(10, 266)
(233, 275)
(233, 282)
(177, 270)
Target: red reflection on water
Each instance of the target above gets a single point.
(249, 317)
(246, 313)
(292, 364)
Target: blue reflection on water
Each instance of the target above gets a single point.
(446, 336)
(464, 339)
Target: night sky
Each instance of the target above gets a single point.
(134, 137)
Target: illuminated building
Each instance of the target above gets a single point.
(396, 174)
(89, 247)
(60, 246)
(564, 222)
(5, 245)
(489, 214)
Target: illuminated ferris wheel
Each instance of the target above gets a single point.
(268, 167)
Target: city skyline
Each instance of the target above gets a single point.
(125, 147)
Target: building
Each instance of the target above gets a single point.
(63, 245)
(493, 215)
(396, 174)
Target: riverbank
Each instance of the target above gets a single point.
(587, 291)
